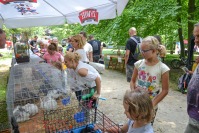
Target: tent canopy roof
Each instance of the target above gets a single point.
(19, 14)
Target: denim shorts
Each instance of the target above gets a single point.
(129, 72)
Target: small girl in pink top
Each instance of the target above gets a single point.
(43, 48)
(52, 55)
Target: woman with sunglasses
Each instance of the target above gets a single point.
(78, 43)
(150, 73)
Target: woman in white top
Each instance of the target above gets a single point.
(78, 44)
(81, 75)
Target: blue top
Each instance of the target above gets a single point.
(144, 129)
(69, 46)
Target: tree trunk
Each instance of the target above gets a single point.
(179, 20)
(191, 10)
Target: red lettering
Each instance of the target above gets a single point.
(88, 14)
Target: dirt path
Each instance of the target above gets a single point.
(171, 116)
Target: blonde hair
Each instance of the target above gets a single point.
(58, 65)
(139, 103)
(162, 50)
(72, 56)
(78, 38)
(153, 43)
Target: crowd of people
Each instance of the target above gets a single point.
(148, 77)
(47, 50)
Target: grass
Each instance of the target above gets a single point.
(4, 72)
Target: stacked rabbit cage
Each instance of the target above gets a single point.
(39, 100)
(32, 89)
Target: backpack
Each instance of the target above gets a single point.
(95, 46)
(183, 82)
(136, 54)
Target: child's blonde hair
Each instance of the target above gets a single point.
(78, 38)
(58, 65)
(153, 43)
(72, 56)
(139, 103)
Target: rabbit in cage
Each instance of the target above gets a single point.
(45, 88)
(48, 103)
(26, 94)
(54, 94)
(32, 109)
(20, 114)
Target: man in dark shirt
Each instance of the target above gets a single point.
(97, 49)
(33, 44)
(130, 50)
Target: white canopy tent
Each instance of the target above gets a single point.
(19, 14)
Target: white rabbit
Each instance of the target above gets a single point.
(48, 103)
(20, 114)
(32, 109)
(54, 94)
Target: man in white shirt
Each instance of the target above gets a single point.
(87, 47)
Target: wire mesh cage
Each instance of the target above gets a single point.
(39, 100)
(32, 89)
(71, 120)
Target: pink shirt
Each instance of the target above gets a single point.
(43, 50)
(49, 58)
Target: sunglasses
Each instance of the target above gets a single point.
(144, 51)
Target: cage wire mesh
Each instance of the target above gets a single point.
(64, 121)
(40, 100)
(33, 89)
